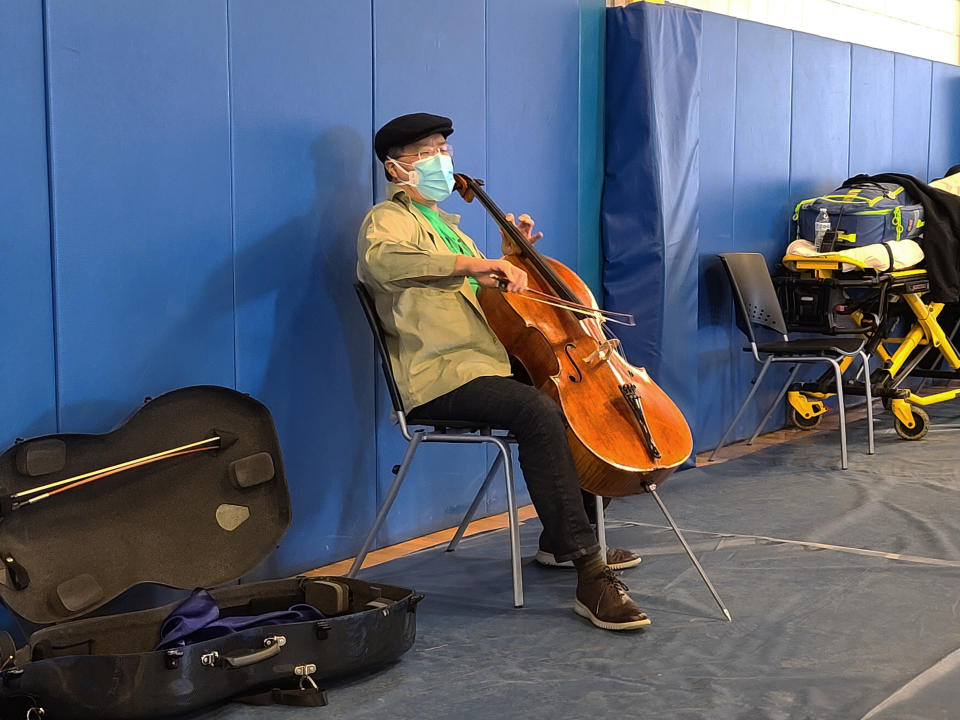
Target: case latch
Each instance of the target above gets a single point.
(172, 659)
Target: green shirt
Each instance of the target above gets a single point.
(449, 237)
(435, 331)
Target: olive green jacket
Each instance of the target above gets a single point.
(436, 334)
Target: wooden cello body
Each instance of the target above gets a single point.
(625, 433)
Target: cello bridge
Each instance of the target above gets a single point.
(602, 353)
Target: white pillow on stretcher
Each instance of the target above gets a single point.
(906, 254)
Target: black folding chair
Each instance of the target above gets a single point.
(444, 431)
(756, 302)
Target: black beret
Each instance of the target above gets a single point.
(408, 129)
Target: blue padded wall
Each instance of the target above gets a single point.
(783, 116)
(210, 164)
(27, 374)
(527, 122)
(911, 115)
(301, 182)
(819, 115)
(761, 162)
(27, 379)
(717, 354)
(590, 139)
(872, 85)
(139, 143)
(650, 217)
(761, 182)
(944, 127)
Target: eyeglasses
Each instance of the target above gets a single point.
(429, 152)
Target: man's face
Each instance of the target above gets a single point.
(420, 150)
(430, 145)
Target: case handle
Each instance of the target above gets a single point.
(271, 646)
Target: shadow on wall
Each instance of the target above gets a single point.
(317, 378)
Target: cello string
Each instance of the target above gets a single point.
(596, 313)
(601, 315)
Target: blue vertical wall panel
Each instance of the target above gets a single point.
(531, 132)
(632, 216)
(27, 381)
(761, 164)
(532, 137)
(944, 119)
(911, 115)
(717, 345)
(432, 61)
(820, 118)
(679, 129)
(141, 202)
(590, 140)
(762, 150)
(871, 111)
(650, 204)
(302, 154)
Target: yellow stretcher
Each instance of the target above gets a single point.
(818, 297)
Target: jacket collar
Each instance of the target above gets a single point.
(396, 192)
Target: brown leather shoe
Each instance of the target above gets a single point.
(617, 559)
(604, 601)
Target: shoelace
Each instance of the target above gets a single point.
(615, 582)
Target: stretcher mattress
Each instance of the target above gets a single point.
(905, 254)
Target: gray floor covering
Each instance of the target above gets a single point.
(844, 589)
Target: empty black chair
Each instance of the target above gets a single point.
(756, 303)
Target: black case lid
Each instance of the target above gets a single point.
(200, 519)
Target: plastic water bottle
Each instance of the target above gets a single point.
(820, 228)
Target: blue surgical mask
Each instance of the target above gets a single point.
(432, 177)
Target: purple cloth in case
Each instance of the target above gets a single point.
(198, 618)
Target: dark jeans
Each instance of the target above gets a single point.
(545, 458)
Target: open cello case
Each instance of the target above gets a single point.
(188, 493)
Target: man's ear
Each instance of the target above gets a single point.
(393, 170)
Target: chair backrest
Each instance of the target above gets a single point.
(370, 311)
(753, 293)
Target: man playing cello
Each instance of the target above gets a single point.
(423, 274)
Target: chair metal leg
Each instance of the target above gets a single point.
(775, 404)
(753, 391)
(387, 503)
(838, 373)
(601, 528)
(514, 522)
(471, 511)
(652, 489)
(866, 381)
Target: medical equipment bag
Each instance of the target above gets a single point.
(863, 214)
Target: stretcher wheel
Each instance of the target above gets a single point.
(803, 423)
(920, 429)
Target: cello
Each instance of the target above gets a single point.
(625, 433)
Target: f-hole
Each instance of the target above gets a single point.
(566, 351)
